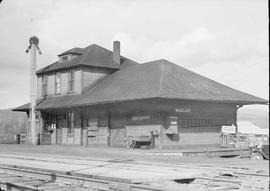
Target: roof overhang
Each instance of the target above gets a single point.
(66, 102)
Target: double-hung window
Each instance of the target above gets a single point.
(71, 81)
(58, 83)
(44, 85)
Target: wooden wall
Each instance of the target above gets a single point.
(117, 124)
(199, 123)
(194, 136)
(108, 125)
(90, 76)
(83, 77)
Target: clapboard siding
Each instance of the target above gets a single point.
(77, 136)
(77, 129)
(194, 136)
(64, 137)
(196, 123)
(117, 137)
(118, 121)
(117, 124)
(209, 129)
(84, 137)
(53, 137)
(143, 130)
(70, 139)
(97, 140)
(199, 138)
(99, 136)
(59, 135)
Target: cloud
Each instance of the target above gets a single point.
(239, 61)
(143, 48)
(209, 37)
(182, 48)
(132, 46)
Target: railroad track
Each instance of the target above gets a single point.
(12, 177)
(15, 178)
(41, 179)
(239, 170)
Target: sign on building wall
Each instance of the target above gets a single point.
(140, 118)
(182, 110)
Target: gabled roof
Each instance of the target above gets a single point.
(93, 55)
(157, 79)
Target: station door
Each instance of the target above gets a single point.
(117, 137)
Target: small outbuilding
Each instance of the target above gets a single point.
(246, 130)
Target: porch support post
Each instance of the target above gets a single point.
(236, 125)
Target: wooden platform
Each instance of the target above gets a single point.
(33, 171)
(206, 153)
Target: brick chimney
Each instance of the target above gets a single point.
(116, 52)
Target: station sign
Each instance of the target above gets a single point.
(182, 110)
(140, 118)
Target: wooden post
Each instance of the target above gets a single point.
(33, 88)
(236, 125)
(33, 84)
(161, 132)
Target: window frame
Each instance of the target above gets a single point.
(64, 58)
(197, 122)
(71, 77)
(57, 84)
(44, 89)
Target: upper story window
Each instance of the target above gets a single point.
(70, 54)
(44, 85)
(64, 58)
(58, 83)
(71, 81)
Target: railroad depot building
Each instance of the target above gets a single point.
(93, 96)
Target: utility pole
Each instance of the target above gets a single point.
(33, 88)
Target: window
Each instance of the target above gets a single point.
(71, 81)
(58, 83)
(70, 122)
(64, 58)
(204, 122)
(44, 85)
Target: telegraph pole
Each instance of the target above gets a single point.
(34, 41)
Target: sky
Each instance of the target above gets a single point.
(226, 41)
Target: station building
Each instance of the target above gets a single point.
(93, 96)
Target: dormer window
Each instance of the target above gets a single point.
(64, 58)
(70, 54)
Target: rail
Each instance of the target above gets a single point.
(95, 182)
